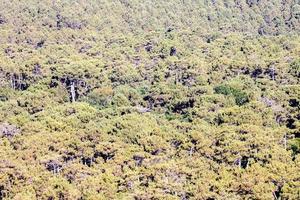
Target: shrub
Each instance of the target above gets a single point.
(295, 146)
(240, 97)
(100, 96)
(294, 68)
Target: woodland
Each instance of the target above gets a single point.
(150, 99)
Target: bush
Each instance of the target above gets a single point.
(101, 97)
(295, 146)
(294, 68)
(240, 97)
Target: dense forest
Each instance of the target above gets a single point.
(150, 99)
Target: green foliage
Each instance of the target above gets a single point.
(294, 68)
(295, 146)
(149, 99)
(240, 97)
(101, 97)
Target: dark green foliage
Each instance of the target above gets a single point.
(240, 97)
(295, 146)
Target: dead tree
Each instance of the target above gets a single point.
(73, 94)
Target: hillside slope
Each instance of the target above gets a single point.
(120, 99)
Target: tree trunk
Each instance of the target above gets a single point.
(12, 82)
(73, 92)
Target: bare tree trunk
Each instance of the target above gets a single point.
(12, 82)
(73, 91)
(19, 82)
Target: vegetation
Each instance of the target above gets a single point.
(152, 99)
(239, 96)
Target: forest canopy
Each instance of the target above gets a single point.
(141, 100)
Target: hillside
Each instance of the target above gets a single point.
(157, 99)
